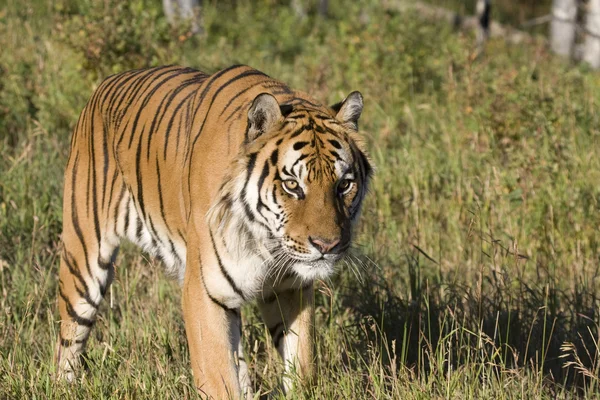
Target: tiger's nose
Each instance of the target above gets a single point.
(323, 245)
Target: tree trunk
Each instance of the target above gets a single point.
(300, 7)
(178, 11)
(323, 8)
(483, 10)
(591, 51)
(562, 28)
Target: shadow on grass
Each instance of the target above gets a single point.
(501, 323)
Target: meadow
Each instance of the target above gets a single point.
(478, 249)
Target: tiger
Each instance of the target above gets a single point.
(245, 189)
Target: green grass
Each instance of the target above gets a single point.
(479, 242)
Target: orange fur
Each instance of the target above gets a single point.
(244, 188)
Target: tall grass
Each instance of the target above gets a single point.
(478, 248)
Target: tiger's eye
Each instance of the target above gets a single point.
(290, 184)
(344, 186)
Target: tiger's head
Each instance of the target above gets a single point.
(301, 181)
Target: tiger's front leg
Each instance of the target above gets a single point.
(211, 330)
(289, 316)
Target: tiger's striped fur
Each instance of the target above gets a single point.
(245, 189)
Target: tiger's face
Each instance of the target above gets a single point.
(306, 181)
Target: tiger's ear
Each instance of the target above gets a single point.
(263, 114)
(349, 110)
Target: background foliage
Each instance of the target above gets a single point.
(478, 249)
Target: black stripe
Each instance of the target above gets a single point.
(72, 313)
(335, 143)
(74, 270)
(138, 172)
(248, 212)
(154, 233)
(207, 112)
(112, 189)
(174, 252)
(105, 161)
(299, 145)
(190, 149)
(260, 204)
(302, 157)
(104, 265)
(92, 171)
(163, 107)
(138, 228)
(274, 195)
(188, 127)
(74, 218)
(250, 165)
(223, 271)
(213, 78)
(160, 197)
(214, 300)
(223, 306)
(302, 114)
(69, 342)
(120, 87)
(85, 296)
(148, 97)
(183, 102)
(305, 101)
(180, 234)
(297, 132)
(263, 176)
(319, 128)
(222, 87)
(234, 113)
(117, 209)
(250, 168)
(131, 92)
(127, 215)
(238, 94)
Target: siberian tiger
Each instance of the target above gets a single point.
(245, 189)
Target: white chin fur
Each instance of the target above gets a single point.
(310, 271)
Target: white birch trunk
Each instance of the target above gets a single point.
(178, 11)
(591, 49)
(300, 6)
(562, 28)
(483, 10)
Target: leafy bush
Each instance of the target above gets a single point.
(117, 35)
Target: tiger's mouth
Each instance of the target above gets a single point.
(307, 263)
(310, 266)
(322, 258)
(317, 269)
(311, 256)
